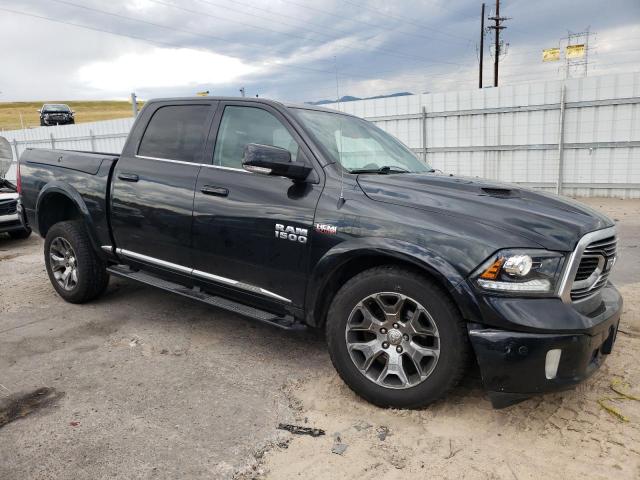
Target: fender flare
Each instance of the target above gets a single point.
(65, 189)
(420, 257)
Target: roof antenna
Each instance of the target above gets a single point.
(341, 200)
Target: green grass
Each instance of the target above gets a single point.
(86, 111)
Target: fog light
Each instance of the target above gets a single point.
(552, 362)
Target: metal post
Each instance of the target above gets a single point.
(496, 60)
(561, 140)
(15, 149)
(424, 134)
(92, 138)
(53, 142)
(481, 44)
(134, 104)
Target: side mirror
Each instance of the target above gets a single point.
(39, 111)
(72, 112)
(275, 161)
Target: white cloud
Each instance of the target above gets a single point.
(162, 67)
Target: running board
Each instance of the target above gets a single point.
(285, 322)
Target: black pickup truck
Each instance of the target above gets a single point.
(56, 114)
(301, 216)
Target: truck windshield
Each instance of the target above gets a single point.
(358, 145)
(55, 108)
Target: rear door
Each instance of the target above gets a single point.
(251, 232)
(154, 181)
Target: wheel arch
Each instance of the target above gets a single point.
(348, 259)
(58, 202)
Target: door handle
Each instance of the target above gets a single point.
(128, 177)
(217, 191)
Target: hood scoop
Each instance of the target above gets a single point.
(500, 192)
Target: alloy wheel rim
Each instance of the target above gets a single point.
(392, 340)
(64, 264)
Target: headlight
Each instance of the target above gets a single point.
(520, 272)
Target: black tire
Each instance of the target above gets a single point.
(453, 337)
(20, 234)
(92, 276)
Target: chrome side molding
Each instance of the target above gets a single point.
(198, 273)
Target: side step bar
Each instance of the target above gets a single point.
(285, 322)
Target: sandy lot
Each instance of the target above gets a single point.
(148, 385)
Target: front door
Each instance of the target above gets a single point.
(153, 185)
(252, 232)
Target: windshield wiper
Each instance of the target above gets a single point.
(385, 170)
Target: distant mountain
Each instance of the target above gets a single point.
(349, 98)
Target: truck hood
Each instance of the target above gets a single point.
(553, 222)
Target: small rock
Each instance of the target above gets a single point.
(362, 426)
(383, 432)
(339, 448)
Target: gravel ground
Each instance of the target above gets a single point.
(144, 384)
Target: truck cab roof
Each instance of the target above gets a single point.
(259, 100)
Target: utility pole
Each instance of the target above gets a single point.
(481, 44)
(134, 104)
(497, 27)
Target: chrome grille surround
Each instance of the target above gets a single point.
(600, 245)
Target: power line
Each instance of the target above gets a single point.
(354, 20)
(117, 15)
(170, 44)
(403, 19)
(144, 39)
(307, 23)
(129, 18)
(353, 45)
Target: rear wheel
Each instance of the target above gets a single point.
(75, 270)
(396, 338)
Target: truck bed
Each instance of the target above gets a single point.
(59, 176)
(82, 161)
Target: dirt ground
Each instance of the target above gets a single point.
(142, 384)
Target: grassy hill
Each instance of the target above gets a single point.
(85, 112)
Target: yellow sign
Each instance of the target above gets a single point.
(203, 94)
(575, 51)
(550, 54)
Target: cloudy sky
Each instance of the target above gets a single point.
(290, 49)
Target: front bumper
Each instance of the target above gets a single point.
(14, 221)
(60, 120)
(512, 363)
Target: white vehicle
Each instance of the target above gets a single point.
(10, 221)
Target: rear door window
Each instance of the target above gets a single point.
(176, 132)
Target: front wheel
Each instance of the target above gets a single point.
(75, 270)
(396, 338)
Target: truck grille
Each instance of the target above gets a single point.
(8, 207)
(594, 268)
